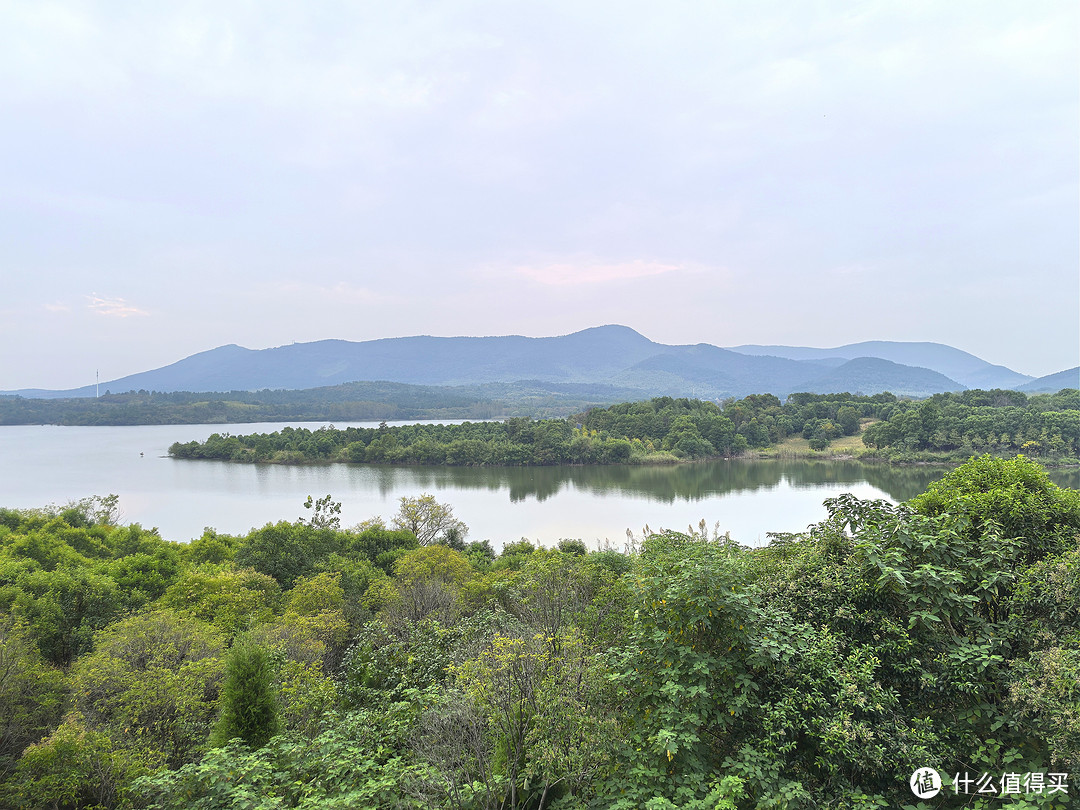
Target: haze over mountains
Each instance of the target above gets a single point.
(606, 355)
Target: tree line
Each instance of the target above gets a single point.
(660, 429)
(667, 429)
(357, 401)
(959, 425)
(307, 665)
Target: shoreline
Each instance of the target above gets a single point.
(760, 456)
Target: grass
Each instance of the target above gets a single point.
(798, 447)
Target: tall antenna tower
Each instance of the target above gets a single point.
(97, 381)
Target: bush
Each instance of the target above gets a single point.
(73, 767)
(152, 683)
(1012, 496)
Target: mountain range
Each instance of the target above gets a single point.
(609, 355)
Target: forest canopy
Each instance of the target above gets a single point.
(305, 665)
(349, 402)
(954, 426)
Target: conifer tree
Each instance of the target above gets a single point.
(249, 708)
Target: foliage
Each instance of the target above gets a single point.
(73, 768)
(249, 708)
(364, 585)
(663, 429)
(977, 421)
(686, 670)
(430, 521)
(211, 547)
(31, 692)
(832, 664)
(550, 726)
(433, 564)
(152, 684)
(306, 695)
(286, 551)
(555, 591)
(64, 607)
(231, 600)
(357, 762)
(1015, 498)
(325, 515)
(429, 582)
(66, 576)
(385, 666)
(314, 628)
(372, 671)
(101, 510)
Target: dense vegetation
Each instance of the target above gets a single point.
(959, 425)
(661, 429)
(303, 665)
(667, 429)
(357, 401)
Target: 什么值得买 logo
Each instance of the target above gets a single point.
(927, 783)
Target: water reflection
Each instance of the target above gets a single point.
(666, 484)
(660, 483)
(42, 465)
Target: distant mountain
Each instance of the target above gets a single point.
(604, 355)
(1052, 383)
(873, 374)
(964, 368)
(708, 371)
(592, 355)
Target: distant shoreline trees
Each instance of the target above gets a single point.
(667, 429)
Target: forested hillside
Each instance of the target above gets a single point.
(309, 666)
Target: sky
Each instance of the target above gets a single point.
(179, 176)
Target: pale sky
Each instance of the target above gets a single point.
(178, 176)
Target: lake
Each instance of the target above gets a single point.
(49, 464)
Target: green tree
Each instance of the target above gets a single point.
(429, 581)
(231, 600)
(429, 520)
(152, 683)
(249, 707)
(286, 550)
(1012, 496)
(211, 547)
(314, 627)
(64, 607)
(555, 590)
(326, 513)
(359, 761)
(848, 418)
(74, 768)
(543, 700)
(31, 692)
(1042, 688)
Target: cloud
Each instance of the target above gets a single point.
(572, 273)
(113, 307)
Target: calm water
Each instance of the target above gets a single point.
(41, 465)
